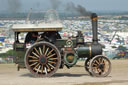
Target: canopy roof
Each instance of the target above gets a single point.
(37, 27)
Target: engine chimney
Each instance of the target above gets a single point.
(94, 19)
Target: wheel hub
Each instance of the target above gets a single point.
(43, 60)
(101, 66)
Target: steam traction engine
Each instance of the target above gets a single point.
(50, 52)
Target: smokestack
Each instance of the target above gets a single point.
(94, 19)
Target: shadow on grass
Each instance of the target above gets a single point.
(68, 75)
(57, 75)
(28, 75)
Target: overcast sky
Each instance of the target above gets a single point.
(43, 5)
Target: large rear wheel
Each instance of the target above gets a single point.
(43, 59)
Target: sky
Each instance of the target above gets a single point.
(43, 5)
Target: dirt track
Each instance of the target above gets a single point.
(74, 76)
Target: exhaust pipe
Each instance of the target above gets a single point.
(94, 48)
(94, 19)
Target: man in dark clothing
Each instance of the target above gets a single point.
(31, 37)
(51, 36)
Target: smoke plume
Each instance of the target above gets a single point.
(71, 7)
(14, 6)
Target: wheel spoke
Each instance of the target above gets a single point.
(38, 70)
(51, 55)
(52, 59)
(33, 60)
(48, 67)
(50, 52)
(43, 49)
(52, 62)
(33, 64)
(36, 66)
(94, 67)
(35, 54)
(97, 62)
(101, 59)
(33, 57)
(46, 51)
(37, 51)
(40, 51)
(51, 65)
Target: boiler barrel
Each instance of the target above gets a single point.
(89, 50)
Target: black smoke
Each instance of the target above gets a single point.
(71, 7)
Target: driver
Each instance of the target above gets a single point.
(31, 37)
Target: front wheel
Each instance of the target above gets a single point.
(43, 59)
(100, 66)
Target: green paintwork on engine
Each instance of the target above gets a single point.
(19, 45)
(70, 59)
(21, 50)
(20, 53)
(62, 42)
(83, 51)
(20, 58)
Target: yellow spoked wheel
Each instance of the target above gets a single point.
(43, 59)
(100, 66)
